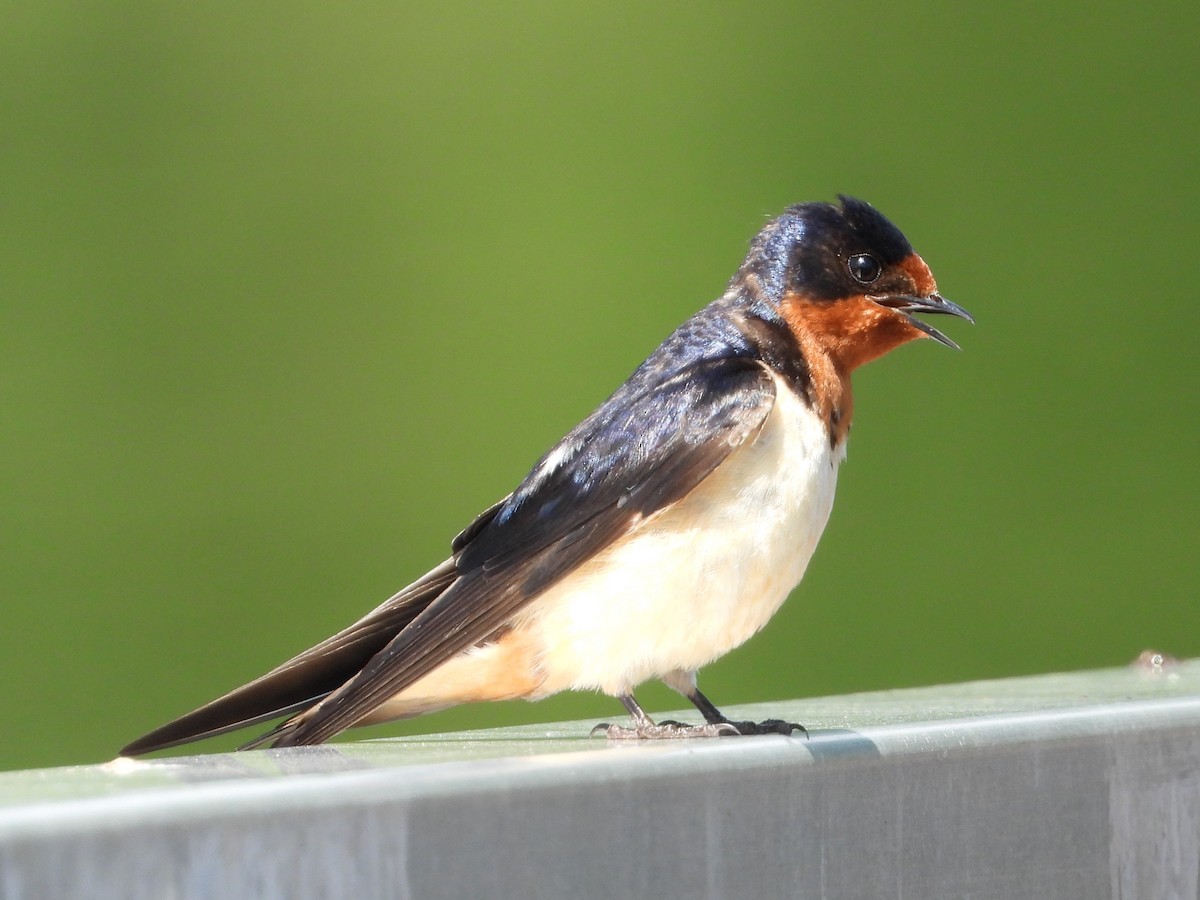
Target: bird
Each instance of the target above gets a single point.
(660, 533)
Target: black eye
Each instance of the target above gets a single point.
(864, 268)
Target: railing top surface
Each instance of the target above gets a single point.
(920, 720)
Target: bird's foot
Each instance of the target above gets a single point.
(646, 729)
(714, 716)
(768, 726)
(663, 731)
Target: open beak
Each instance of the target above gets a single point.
(934, 303)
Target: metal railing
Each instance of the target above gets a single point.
(1083, 785)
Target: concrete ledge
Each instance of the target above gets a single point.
(1084, 786)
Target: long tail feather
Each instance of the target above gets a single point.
(305, 679)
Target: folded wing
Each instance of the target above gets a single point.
(643, 450)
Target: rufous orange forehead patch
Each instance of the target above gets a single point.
(918, 271)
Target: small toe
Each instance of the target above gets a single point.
(768, 726)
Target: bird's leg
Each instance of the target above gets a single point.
(714, 716)
(644, 728)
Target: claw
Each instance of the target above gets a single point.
(769, 726)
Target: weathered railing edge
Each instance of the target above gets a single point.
(1080, 785)
(326, 777)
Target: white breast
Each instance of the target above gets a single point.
(698, 579)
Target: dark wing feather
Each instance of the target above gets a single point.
(305, 679)
(643, 450)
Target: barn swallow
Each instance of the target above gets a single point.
(662, 532)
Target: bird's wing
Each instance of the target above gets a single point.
(308, 677)
(638, 453)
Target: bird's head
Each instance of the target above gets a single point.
(847, 280)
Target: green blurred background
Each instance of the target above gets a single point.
(289, 292)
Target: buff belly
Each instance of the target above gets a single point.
(699, 578)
